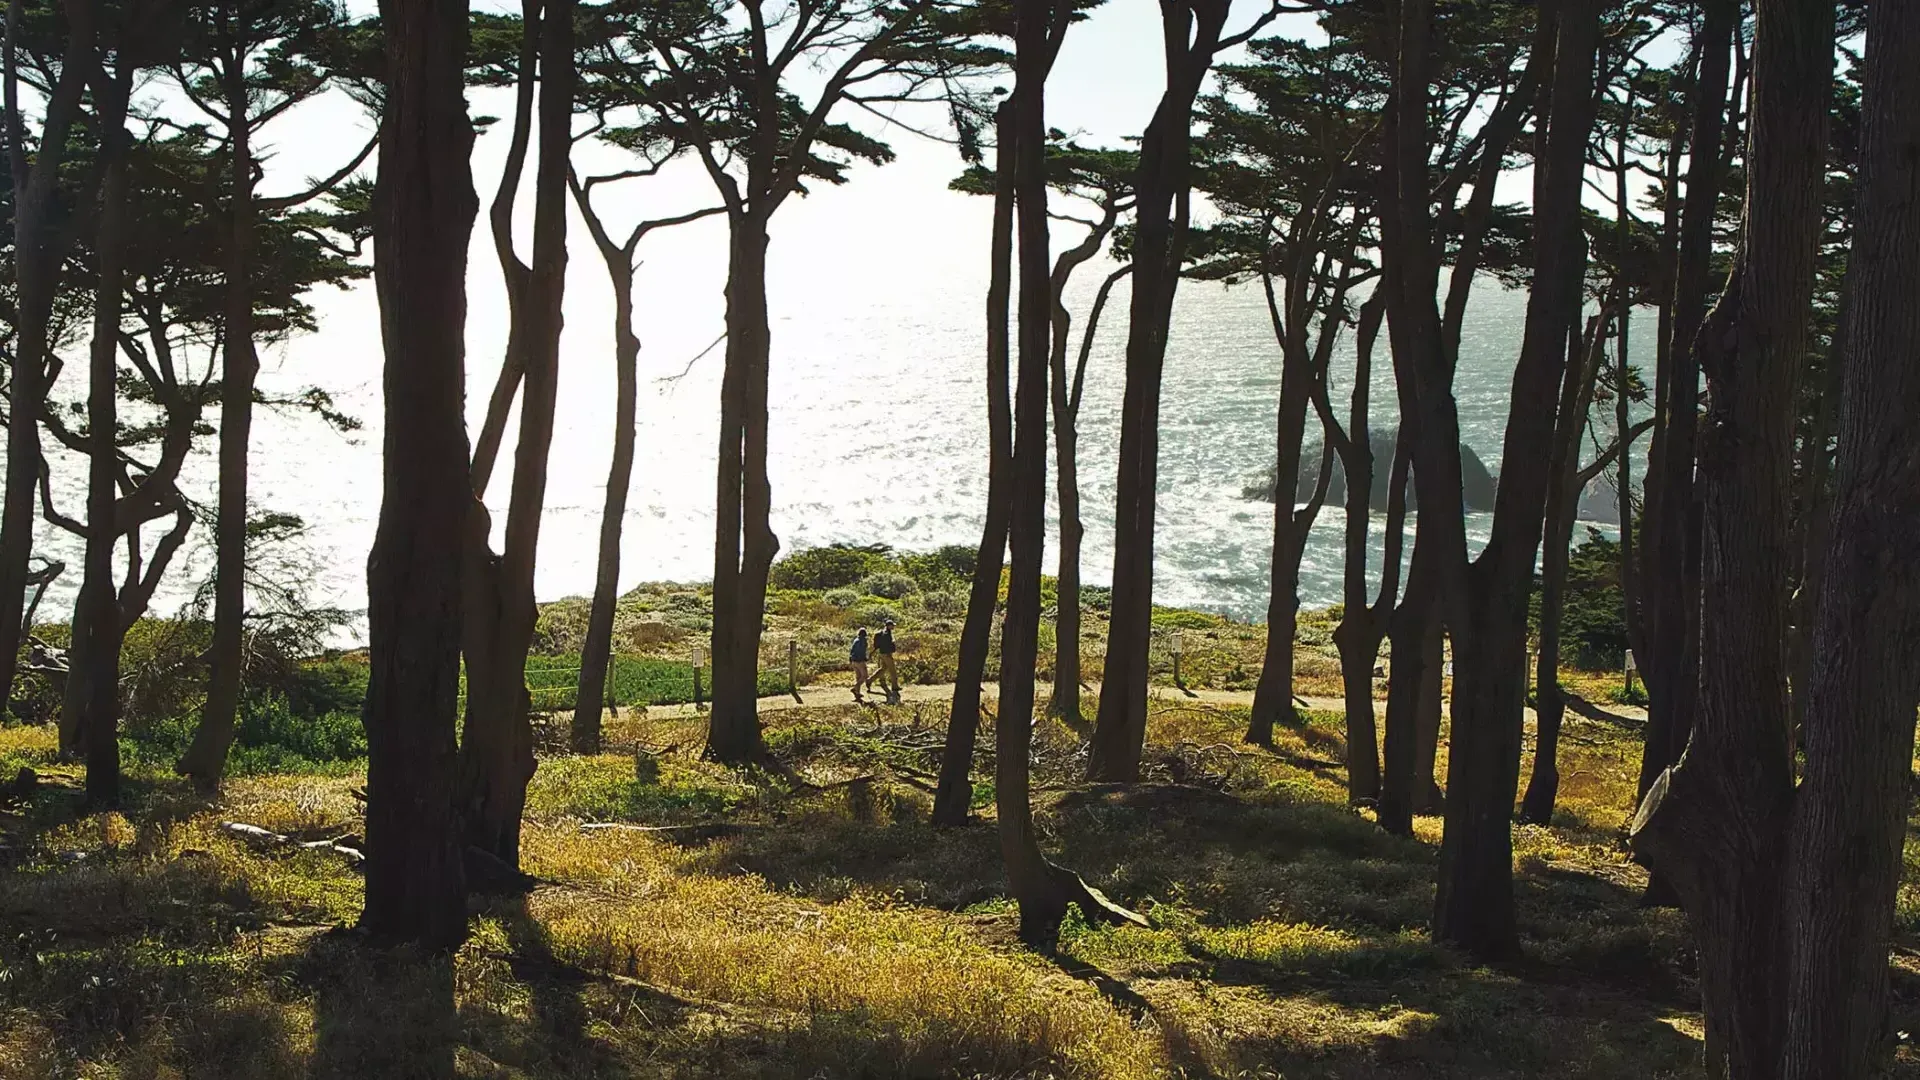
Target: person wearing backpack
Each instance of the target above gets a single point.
(888, 676)
(857, 656)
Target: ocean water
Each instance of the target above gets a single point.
(877, 436)
(877, 294)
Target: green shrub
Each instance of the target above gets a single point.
(946, 603)
(943, 568)
(890, 586)
(1593, 629)
(1175, 619)
(830, 567)
(842, 598)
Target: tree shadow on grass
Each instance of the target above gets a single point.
(387, 1013)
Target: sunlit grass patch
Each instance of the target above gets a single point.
(605, 788)
(921, 984)
(27, 745)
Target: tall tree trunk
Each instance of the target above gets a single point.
(1407, 667)
(1473, 904)
(1672, 587)
(1042, 889)
(1814, 501)
(1622, 401)
(1423, 377)
(596, 652)
(1715, 823)
(1363, 621)
(1162, 190)
(953, 800)
(1563, 503)
(1066, 393)
(39, 250)
(1273, 694)
(497, 740)
(1427, 796)
(100, 671)
(424, 206)
(745, 544)
(1850, 812)
(206, 758)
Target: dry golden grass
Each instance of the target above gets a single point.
(1285, 933)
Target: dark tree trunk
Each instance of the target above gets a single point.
(1066, 392)
(953, 801)
(99, 671)
(1363, 622)
(40, 247)
(206, 758)
(748, 546)
(1427, 796)
(1563, 502)
(1042, 889)
(1162, 188)
(1473, 904)
(1814, 502)
(424, 207)
(1715, 823)
(597, 651)
(1673, 582)
(1622, 401)
(497, 740)
(1299, 372)
(1850, 812)
(1407, 667)
(1428, 419)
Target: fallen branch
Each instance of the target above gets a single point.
(266, 838)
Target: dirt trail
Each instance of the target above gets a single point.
(941, 693)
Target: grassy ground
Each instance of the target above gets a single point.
(814, 925)
(834, 933)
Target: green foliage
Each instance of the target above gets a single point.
(605, 789)
(889, 585)
(948, 567)
(1177, 619)
(1593, 629)
(832, 567)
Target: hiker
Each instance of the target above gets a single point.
(887, 675)
(858, 657)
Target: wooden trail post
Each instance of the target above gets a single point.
(793, 669)
(699, 657)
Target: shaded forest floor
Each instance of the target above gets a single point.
(816, 927)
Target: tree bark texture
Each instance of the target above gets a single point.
(1162, 186)
(1715, 823)
(1850, 811)
(99, 672)
(424, 207)
(206, 758)
(1066, 392)
(1409, 625)
(953, 800)
(41, 242)
(1042, 889)
(1363, 620)
(1563, 499)
(1301, 381)
(497, 741)
(1473, 904)
(1423, 376)
(596, 651)
(1672, 586)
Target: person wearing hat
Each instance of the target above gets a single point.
(887, 675)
